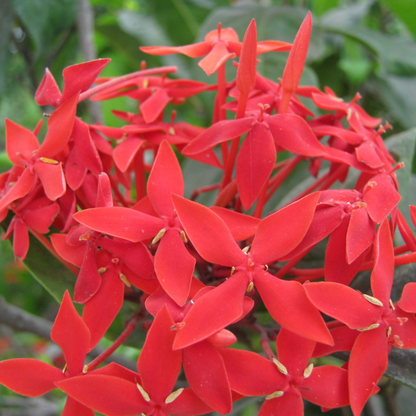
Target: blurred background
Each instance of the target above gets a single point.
(367, 46)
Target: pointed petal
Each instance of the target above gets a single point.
(255, 163)
(367, 153)
(29, 377)
(159, 366)
(297, 56)
(215, 58)
(165, 179)
(120, 222)
(278, 234)
(125, 152)
(289, 306)
(195, 50)
(71, 333)
(383, 272)
(241, 226)
(250, 374)
(20, 240)
(380, 188)
(104, 195)
(294, 351)
(327, 386)
(153, 107)
(368, 362)
(52, 177)
(72, 254)
(19, 142)
(109, 395)
(343, 303)
(75, 170)
(360, 234)
(246, 72)
(99, 312)
(174, 266)
(219, 132)
(80, 77)
(208, 233)
(87, 152)
(205, 371)
(60, 125)
(215, 310)
(48, 92)
(294, 134)
(88, 280)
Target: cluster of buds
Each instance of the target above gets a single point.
(109, 203)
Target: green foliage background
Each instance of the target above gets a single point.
(357, 45)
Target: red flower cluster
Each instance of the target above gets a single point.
(115, 200)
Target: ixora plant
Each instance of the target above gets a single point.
(109, 203)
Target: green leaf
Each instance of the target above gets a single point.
(45, 19)
(322, 6)
(5, 163)
(405, 10)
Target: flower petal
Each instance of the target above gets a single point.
(208, 233)
(29, 377)
(205, 371)
(165, 179)
(278, 234)
(71, 333)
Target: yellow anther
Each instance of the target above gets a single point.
(47, 160)
(85, 369)
(280, 366)
(232, 271)
(245, 249)
(275, 394)
(349, 114)
(143, 392)
(125, 280)
(183, 236)
(373, 300)
(368, 328)
(171, 131)
(266, 267)
(64, 369)
(392, 304)
(388, 331)
(173, 395)
(340, 100)
(145, 83)
(308, 370)
(102, 270)
(250, 287)
(159, 235)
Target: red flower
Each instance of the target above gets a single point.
(276, 236)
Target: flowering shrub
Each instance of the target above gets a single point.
(109, 203)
